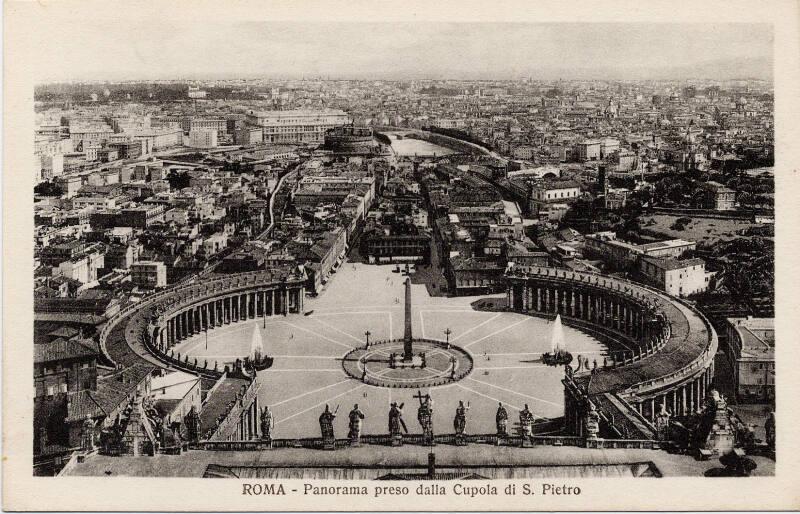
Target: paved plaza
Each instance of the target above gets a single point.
(308, 371)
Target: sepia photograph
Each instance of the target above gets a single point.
(308, 256)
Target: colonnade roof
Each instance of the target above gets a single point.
(689, 338)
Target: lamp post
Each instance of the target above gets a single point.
(447, 333)
(367, 333)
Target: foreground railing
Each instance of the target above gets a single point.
(443, 439)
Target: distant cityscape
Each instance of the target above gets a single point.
(640, 213)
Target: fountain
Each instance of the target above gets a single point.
(256, 345)
(257, 359)
(558, 355)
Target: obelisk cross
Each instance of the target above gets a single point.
(408, 353)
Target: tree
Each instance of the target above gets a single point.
(643, 196)
(48, 189)
(764, 200)
(745, 198)
(178, 180)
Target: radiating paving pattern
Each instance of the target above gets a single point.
(434, 363)
(505, 348)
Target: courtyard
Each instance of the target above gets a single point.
(309, 349)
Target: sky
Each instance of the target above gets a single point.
(129, 49)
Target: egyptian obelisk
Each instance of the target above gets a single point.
(408, 353)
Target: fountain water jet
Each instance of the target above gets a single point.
(558, 355)
(256, 345)
(557, 335)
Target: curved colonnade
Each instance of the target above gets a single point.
(661, 351)
(145, 332)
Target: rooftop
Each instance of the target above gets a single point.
(219, 400)
(660, 245)
(757, 336)
(174, 385)
(668, 264)
(63, 349)
(300, 112)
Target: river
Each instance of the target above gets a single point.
(411, 147)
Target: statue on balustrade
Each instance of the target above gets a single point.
(592, 422)
(501, 419)
(396, 424)
(192, 423)
(356, 419)
(267, 424)
(176, 429)
(111, 439)
(425, 417)
(663, 422)
(87, 435)
(716, 425)
(526, 422)
(769, 427)
(326, 425)
(460, 420)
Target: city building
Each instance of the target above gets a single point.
(588, 150)
(195, 93)
(751, 353)
(248, 135)
(301, 126)
(202, 138)
(555, 195)
(380, 248)
(70, 185)
(149, 274)
(679, 278)
(64, 365)
(619, 254)
(718, 197)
